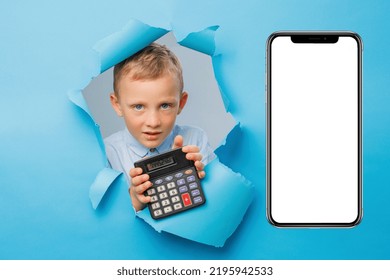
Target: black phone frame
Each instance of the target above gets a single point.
(312, 37)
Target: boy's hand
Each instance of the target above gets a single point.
(139, 184)
(193, 154)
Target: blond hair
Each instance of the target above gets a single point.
(151, 62)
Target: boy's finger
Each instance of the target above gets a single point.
(194, 156)
(199, 165)
(138, 180)
(140, 189)
(201, 174)
(144, 199)
(135, 172)
(191, 149)
(177, 142)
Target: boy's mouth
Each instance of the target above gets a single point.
(152, 135)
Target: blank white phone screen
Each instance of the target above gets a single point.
(314, 131)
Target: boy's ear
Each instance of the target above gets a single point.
(183, 101)
(115, 104)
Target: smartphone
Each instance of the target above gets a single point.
(314, 129)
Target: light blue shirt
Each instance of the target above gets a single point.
(123, 149)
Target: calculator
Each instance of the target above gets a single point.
(176, 185)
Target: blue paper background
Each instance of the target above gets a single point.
(50, 157)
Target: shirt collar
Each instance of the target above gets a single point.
(143, 151)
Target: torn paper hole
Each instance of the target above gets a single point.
(199, 82)
(228, 194)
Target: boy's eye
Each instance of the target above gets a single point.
(138, 107)
(166, 106)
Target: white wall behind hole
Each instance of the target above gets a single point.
(204, 108)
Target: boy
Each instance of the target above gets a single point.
(148, 94)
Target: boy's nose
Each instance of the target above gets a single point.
(153, 119)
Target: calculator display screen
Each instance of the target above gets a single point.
(160, 163)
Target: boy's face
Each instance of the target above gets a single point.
(149, 107)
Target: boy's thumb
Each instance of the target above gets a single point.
(177, 142)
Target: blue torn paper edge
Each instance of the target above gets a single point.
(202, 41)
(120, 45)
(228, 194)
(77, 98)
(99, 187)
(112, 50)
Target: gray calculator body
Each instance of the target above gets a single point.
(176, 185)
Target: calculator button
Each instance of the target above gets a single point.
(153, 198)
(151, 191)
(161, 188)
(188, 171)
(165, 202)
(198, 199)
(163, 195)
(157, 213)
(177, 206)
(158, 181)
(173, 192)
(178, 175)
(168, 209)
(195, 192)
(193, 186)
(183, 189)
(155, 205)
(181, 182)
(171, 185)
(191, 178)
(168, 178)
(186, 199)
(175, 199)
